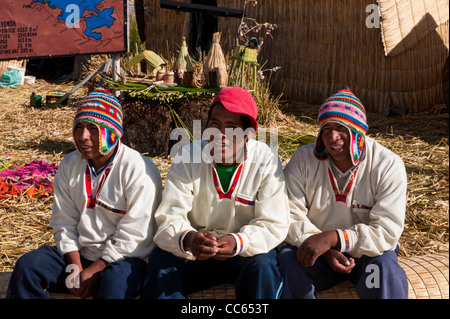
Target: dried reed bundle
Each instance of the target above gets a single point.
(184, 58)
(215, 67)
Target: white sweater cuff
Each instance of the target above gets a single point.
(240, 246)
(347, 237)
(181, 241)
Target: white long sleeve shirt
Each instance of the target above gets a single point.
(120, 221)
(255, 210)
(369, 216)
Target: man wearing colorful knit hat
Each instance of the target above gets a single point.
(347, 197)
(102, 219)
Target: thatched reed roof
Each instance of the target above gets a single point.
(405, 22)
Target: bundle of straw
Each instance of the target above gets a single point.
(183, 57)
(184, 64)
(215, 67)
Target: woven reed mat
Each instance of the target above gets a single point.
(405, 22)
(427, 279)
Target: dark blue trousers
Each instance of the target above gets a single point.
(172, 277)
(378, 277)
(42, 271)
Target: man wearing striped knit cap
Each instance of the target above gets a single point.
(347, 197)
(102, 219)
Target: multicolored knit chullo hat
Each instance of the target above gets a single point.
(103, 110)
(346, 109)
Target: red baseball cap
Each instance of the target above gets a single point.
(237, 100)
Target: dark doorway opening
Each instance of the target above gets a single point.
(202, 28)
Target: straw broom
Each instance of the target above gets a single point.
(215, 63)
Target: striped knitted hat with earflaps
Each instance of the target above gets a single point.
(346, 109)
(105, 111)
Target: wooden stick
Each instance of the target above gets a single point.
(90, 76)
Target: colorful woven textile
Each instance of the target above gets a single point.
(33, 179)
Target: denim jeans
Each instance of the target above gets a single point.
(379, 277)
(172, 277)
(42, 271)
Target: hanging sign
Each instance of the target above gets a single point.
(44, 28)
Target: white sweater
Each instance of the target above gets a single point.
(371, 219)
(256, 214)
(133, 186)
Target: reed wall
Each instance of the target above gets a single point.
(323, 46)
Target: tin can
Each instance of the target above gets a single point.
(52, 97)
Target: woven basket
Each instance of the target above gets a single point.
(4, 65)
(427, 276)
(427, 279)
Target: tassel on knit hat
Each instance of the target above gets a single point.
(103, 110)
(346, 109)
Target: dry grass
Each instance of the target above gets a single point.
(27, 134)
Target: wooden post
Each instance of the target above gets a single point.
(78, 65)
(116, 66)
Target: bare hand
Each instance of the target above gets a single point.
(201, 244)
(227, 246)
(88, 277)
(338, 262)
(315, 246)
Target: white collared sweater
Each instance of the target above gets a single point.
(255, 210)
(121, 223)
(371, 219)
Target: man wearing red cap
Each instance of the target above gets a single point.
(222, 216)
(347, 197)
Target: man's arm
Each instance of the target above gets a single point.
(134, 233)
(296, 184)
(316, 245)
(73, 258)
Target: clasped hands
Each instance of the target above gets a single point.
(86, 276)
(326, 243)
(204, 245)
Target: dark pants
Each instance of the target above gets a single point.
(42, 271)
(172, 277)
(378, 277)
